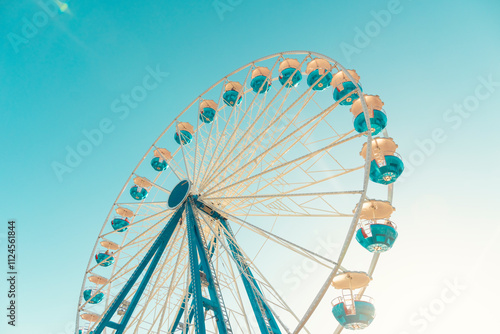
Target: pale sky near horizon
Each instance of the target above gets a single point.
(436, 65)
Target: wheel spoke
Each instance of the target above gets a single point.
(233, 109)
(250, 128)
(299, 159)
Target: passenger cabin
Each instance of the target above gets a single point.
(120, 224)
(378, 119)
(92, 297)
(290, 75)
(261, 80)
(343, 86)
(183, 133)
(160, 160)
(376, 232)
(104, 259)
(140, 190)
(352, 310)
(232, 92)
(386, 165)
(319, 74)
(208, 109)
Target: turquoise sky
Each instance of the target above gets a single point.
(64, 71)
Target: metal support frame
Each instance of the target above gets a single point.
(182, 308)
(185, 302)
(263, 314)
(265, 318)
(154, 254)
(197, 250)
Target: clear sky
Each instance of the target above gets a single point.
(435, 63)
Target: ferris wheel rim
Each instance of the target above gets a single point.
(307, 54)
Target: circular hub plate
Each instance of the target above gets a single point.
(179, 194)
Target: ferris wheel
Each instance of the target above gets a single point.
(226, 195)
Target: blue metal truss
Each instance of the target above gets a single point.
(185, 302)
(265, 318)
(154, 254)
(199, 260)
(215, 303)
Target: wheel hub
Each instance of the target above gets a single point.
(179, 194)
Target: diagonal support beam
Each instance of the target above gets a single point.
(265, 318)
(185, 302)
(197, 304)
(215, 303)
(181, 310)
(153, 255)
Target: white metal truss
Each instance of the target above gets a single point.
(286, 154)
